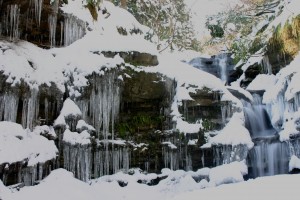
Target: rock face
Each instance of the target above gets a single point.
(220, 65)
(124, 119)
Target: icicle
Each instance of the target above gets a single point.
(170, 158)
(12, 21)
(226, 111)
(227, 154)
(77, 159)
(46, 111)
(30, 110)
(267, 67)
(9, 107)
(38, 6)
(74, 29)
(52, 21)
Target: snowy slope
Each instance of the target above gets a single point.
(60, 184)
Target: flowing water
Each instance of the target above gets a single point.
(269, 156)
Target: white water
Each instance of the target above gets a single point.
(222, 63)
(267, 159)
(269, 156)
(257, 118)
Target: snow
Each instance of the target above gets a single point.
(18, 145)
(242, 91)
(200, 10)
(290, 10)
(69, 109)
(45, 130)
(23, 60)
(169, 144)
(282, 77)
(294, 163)
(170, 66)
(193, 142)
(234, 133)
(74, 138)
(228, 173)
(81, 125)
(290, 126)
(282, 100)
(104, 35)
(185, 127)
(178, 185)
(262, 82)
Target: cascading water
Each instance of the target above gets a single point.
(269, 156)
(222, 63)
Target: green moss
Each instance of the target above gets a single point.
(140, 123)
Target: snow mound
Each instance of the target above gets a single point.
(74, 138)
(82, 125)
(234, 133)
(228, 173)
(60, 184)
(262, 82)
(69, 109)
(105, 35)
(17, 145)
(294, 163)
(25, 61)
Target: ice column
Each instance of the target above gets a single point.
(74, 29)
(9, 106)
(52, 21)
(30, 110)
(12, 21)
(38, 6)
